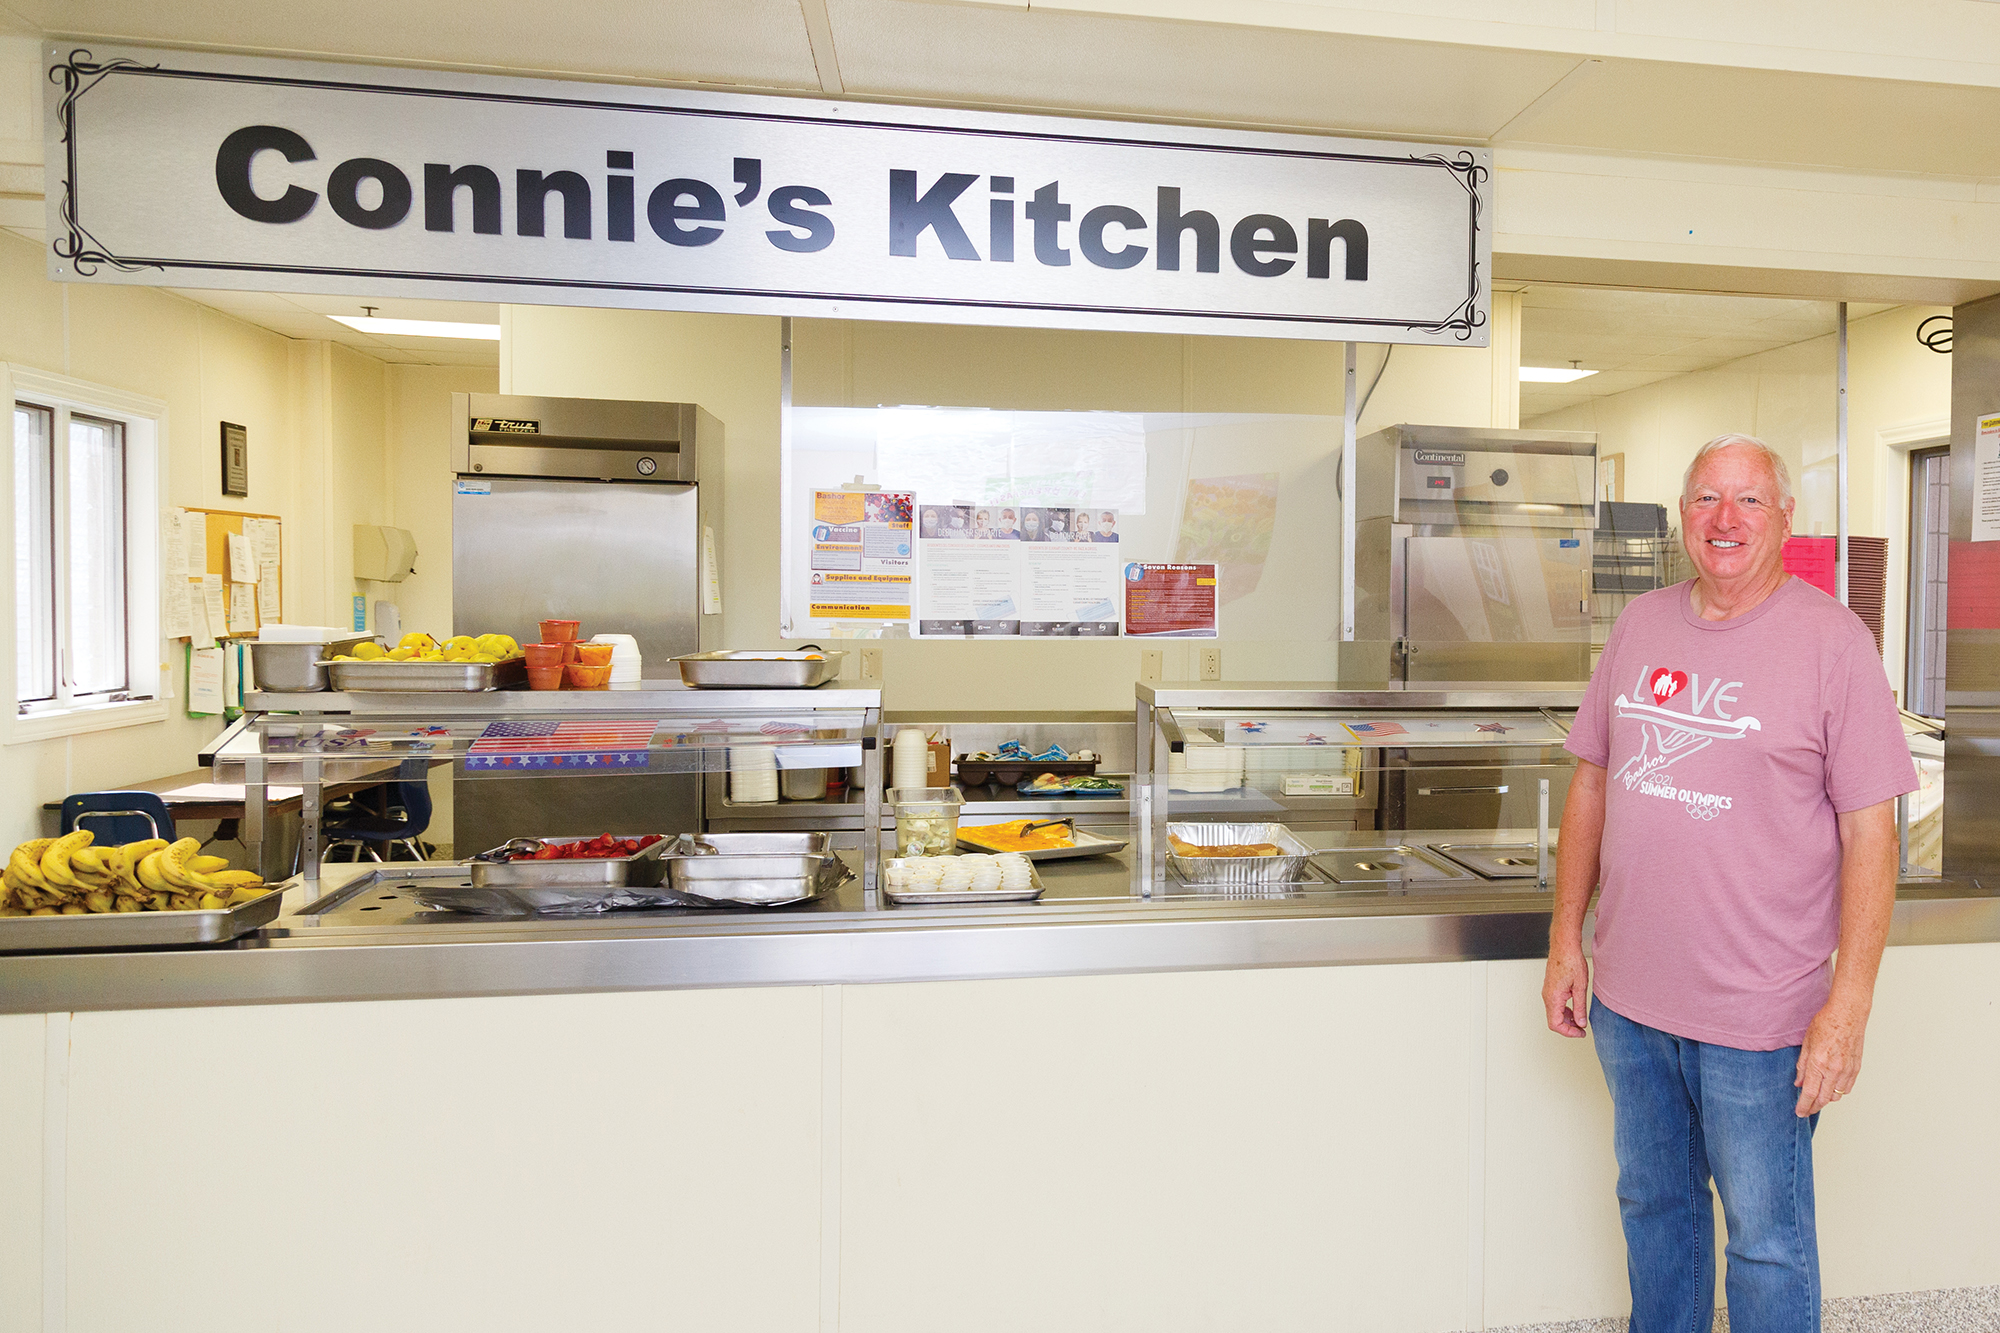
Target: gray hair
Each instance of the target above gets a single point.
(1779, 472)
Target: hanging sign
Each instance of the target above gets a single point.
(190, 169)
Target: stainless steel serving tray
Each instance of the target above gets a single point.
(136, 930)
(759, 670)
(1086, 844)
(425, 677)
(1287, 868)
(1494, 860)
(1399, 863)
(930, 898)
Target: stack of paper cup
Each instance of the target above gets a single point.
(753, 773)
(911, 760)
(624, 658)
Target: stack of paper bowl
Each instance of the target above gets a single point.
(624, 658)
(909, 758)
(753, 774)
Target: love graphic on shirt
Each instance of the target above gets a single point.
(1666, 684)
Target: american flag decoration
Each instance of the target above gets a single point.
(1364, 730)
(583, 744)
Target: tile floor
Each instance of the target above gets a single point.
(1961, 1310)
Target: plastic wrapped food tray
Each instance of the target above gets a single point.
(939, 898)
(1287, 868)
(136, 930)
(752, 869)
(425, 677)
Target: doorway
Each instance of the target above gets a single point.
(1930, 549)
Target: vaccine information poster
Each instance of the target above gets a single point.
(1018, 570)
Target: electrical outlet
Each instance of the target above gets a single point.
(1152, 665)
(871, 664)
(1211, 662)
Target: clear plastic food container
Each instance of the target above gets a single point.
(926, 820)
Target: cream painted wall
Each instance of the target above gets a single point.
(1897, 390)
(730, 365)
(324, 427)
(418, 404)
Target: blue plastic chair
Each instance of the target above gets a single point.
(118, 816)
(376, 834)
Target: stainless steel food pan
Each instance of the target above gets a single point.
(136, 930)
(1289, 867)
(755, 881)
(1398, 863)
(643, 869)
(1495, 860)
(759, 671)
(297, 668)
(424, 677)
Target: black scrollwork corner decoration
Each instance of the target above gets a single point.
(78, 75)
(1470, 173)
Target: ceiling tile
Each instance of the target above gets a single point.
(758, 43)
(1205, 71)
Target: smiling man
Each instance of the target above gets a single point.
(1739, 755)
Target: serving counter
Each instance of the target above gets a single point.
(1136, 1103)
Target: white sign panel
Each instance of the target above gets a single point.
(188, 169)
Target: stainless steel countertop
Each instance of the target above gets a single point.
(1086, 924)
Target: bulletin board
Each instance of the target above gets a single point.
(208, 554)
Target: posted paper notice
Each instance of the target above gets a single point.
(1986, 480)
(1170, 601)
(863, 555)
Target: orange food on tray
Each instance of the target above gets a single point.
(1022, 835)
(1182, 847)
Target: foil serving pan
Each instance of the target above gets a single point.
(758, 671)
(425, 677)
(137, 930)
(1287, 868)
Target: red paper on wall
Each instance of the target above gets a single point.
(1972, 591)
(1170, 601)
(1814, 559)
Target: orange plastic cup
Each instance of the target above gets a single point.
(545, 678)
(559, 631)
(594, 654)
(569, 652)
(543, 654)
(582, 677)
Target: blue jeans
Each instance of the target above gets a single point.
(1682, 1111)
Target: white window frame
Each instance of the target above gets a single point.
(145, 427)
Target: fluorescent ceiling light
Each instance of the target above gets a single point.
(1551, 375)
(419, 328)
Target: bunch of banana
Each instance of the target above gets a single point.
(68, 876)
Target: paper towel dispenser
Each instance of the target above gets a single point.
(385, 555)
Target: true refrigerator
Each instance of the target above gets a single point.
(596, 511)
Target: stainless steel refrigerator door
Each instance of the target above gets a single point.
(621, 557)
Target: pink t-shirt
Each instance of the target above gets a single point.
(1729, 747)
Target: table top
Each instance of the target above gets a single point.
(210, 807)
